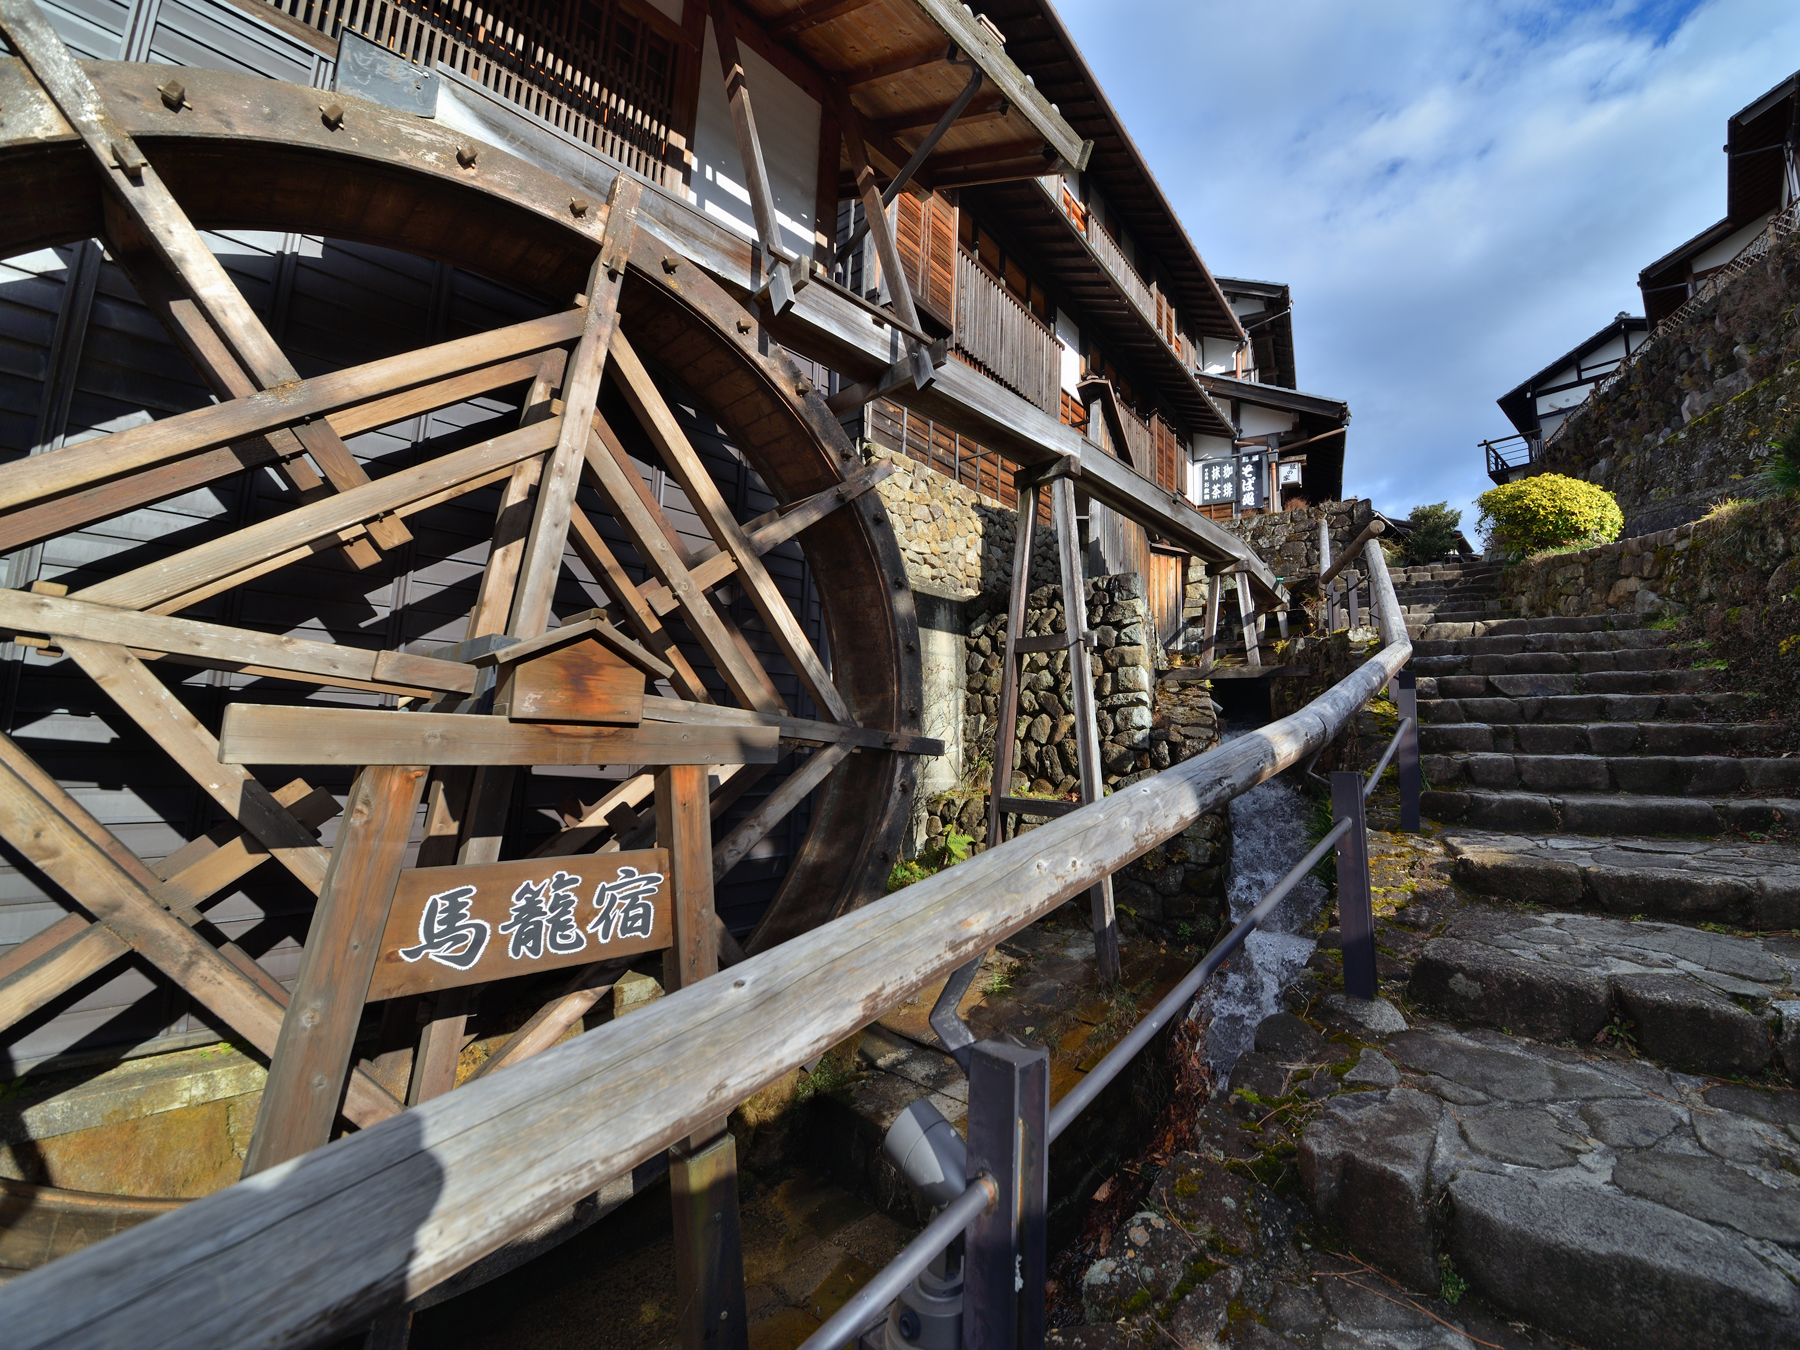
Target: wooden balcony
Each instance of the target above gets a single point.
(997, 333)
(542, 60)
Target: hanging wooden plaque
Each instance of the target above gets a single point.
(451, 926)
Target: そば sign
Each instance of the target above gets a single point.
(466, 925)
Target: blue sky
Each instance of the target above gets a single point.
(1456, 192)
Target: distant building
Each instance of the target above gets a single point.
(1762, 195)
(1761, 179)
(1288, 445)
(1539, 405)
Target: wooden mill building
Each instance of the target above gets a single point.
(432, 454)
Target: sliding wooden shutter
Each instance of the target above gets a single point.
(925, 230)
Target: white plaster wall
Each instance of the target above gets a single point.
(1258, 421)
(787, 121)
(1217, 356)
(1729, 247)
(1068, 336)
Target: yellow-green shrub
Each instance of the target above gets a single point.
(1548, 511)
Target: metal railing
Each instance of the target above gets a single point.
(1503, 456)
(383, 1215)
(1011, 1125)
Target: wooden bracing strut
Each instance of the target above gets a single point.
(1076, 640)
(447, 752)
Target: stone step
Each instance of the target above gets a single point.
(1586, 1194)
(1699, 1002)
(1595, 1197)
(1672, 681)
(1608, 813)
(1597, 738)
(1639, 775)
(1727, 881)
(1632, 639)
(1581, 707)
(1512, 627)
(1553, 663)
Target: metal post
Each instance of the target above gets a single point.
(1356, 911)
(1009, 1139)
(709, 1258)
(1411, 781)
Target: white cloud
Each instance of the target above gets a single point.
(1456, 193)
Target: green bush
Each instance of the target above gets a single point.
(1780, 477)
(1548, 511)
(1433, 533)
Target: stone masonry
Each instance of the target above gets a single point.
(1143, 728)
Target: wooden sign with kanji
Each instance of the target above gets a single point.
(451, 926)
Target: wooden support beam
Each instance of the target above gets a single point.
(639, 615)
(684, 462)
(775, 808)
(1251, 620)
(800, 729)
(620, 484)
(1209, 627)
(712, 564)
(307, 529)
(875, 209)
(134, 185)
(776, 254)
(1087, 726)
(273, 734)
(541, 566)
(797, 21)
(512, 523)
(1007, 715)
(425, 374)
(877, 71)
(221, 647)
(50, 963)
(312, 1055)
(114, 896)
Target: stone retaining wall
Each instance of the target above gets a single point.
(956, 541)
(1143, 727)
(1735, 557)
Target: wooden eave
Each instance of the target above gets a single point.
(1038, 41)
(902, 63)
(1275, 396)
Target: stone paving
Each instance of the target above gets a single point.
(1732, 881)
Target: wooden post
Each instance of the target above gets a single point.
(1324, 567)
(882, 232)
(1356, 921)
(1007, 714)
(1209, 627)
(1087, 727)
(541, 565)
(776, 255)
(709, 1259)
(1351, 582)
(1252, 620)
(312, 1053)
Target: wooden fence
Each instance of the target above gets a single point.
(1002, 337)
(603, 73)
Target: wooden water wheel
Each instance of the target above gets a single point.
(144, 158)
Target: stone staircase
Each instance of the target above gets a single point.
(1449, 596)
(1592, 726)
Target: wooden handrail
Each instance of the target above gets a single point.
(315, 1247)
(1370, 533)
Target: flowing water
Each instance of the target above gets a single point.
(1268, 836)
